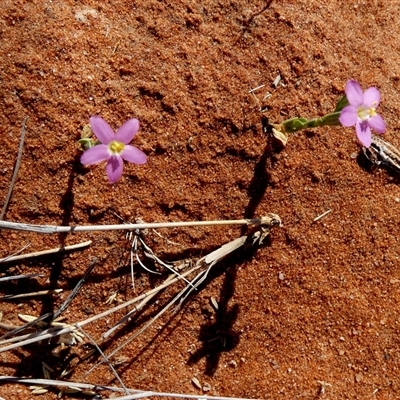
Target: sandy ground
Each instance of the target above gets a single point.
(313, 313)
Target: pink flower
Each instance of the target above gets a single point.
(361, 112)
(114, 147)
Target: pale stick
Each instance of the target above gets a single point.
(24, 340)
(88, 386)
(32, 294)
(45, 252)
(269, 219)
(213, 257)
(16, 168)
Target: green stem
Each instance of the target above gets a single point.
(297, 124)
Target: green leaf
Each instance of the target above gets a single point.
(86, 143)
(342, 103)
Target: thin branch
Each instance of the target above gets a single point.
(322, 215)
(208, 261)
(10, 278)
(32, 294)
(269, 220)
(56, 314)
(106, 360)
(45, 252)
(72, 295)
(15, 253)
(24, 340)
(16, 168)
(135, 309)
(87, 386)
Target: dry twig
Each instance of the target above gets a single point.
(16, 168)
(205, 263)
(46, 252)
(96, 388)
(49, 229)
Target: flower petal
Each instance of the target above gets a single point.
(95, 155)
(363, 133)
(114, 168)
(127, 131)
(354, 93)
(372, 97)
(377, 124)
(348, 116)
(134, 155)
(102, 130)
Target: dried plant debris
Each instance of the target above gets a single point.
(214, 303)
(93, 390)
(191, 272)
(202, 266)
(15, 253)
(255, 237)
(52, 229)
(196, 383)
(276, 135)
(383, 153)
(261, 103)
(322, 215)
(32, 294)
(16, 168)
(276, 81)
(33, 326)
(15, 277)
(49, 317)
(139, 246)
(72, 247)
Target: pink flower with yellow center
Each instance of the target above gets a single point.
(114, 148)
(361, 112)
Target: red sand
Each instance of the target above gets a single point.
(320, 302)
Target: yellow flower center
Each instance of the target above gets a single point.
(366, 113)
(116, 147)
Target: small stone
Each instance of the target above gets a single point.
(232, 363)
(206, 387)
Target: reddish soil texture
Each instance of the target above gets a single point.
(320, 301)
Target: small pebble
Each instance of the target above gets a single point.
(206, 387)
(232, 363)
